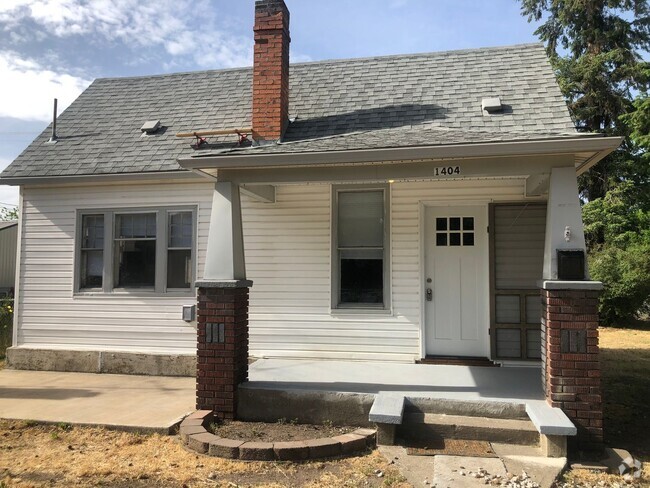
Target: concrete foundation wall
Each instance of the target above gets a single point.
(101, 362)
(315, 407)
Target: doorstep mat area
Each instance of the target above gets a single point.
(451, 447)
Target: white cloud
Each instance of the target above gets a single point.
(181, 27)
(8, 194)
(28, 88)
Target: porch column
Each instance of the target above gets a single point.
(570, 357)
(222, 312)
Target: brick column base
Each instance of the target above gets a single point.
(222, 346)
(571, 366)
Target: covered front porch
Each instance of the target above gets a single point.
(440, 286)
(403, 400)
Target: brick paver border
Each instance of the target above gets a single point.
(195, 436)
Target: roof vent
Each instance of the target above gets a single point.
(150, 126)
(491, 105)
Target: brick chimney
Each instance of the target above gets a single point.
(271, 70)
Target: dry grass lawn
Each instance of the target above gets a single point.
(36, 455)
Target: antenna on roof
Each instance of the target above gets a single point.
(53, 138)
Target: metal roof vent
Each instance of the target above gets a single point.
(491, 105)
(150, 126)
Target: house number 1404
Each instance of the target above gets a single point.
(446, 171)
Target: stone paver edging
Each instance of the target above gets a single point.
(195, 436)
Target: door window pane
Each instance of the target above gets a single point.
(459, 237)
(508, 343)
(533, 309)
(507, 309)
(534, 344)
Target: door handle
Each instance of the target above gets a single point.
(429, 295)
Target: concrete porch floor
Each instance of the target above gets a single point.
(464, 383)
(344, 391)
(125, 402)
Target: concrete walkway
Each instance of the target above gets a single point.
(136, 403)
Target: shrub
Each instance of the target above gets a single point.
(625, 271)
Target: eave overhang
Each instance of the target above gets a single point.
(587, 150)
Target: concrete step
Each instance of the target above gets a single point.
(428, 426)
(476, 408)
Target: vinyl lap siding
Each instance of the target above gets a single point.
(288, 258)
(49, 314)
(287, 248)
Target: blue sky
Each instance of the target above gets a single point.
(55, 48)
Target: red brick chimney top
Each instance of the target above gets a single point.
(271, 70)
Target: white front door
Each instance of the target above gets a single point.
(456, 281)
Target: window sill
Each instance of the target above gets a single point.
(355, 311)
(135, 294)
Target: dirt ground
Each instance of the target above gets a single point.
(58, 455)
(280, 431)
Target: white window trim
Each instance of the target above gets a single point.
(160, 287)
(353, 309)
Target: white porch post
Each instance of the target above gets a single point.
(224, 259)
(563, 215)
(569, 324)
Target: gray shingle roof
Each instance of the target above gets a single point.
(392, 101)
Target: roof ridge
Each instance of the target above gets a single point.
(529, 45)
(424, 54)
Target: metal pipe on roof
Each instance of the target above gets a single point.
(53, 136)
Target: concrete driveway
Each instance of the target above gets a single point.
(136, 403)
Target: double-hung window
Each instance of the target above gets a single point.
(150, 250)
(360, 245)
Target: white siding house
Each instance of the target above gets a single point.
(368, 222)
(288, 255)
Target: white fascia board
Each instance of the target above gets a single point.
(103, 178)
(448, 152)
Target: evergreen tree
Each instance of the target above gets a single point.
(595, 47)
